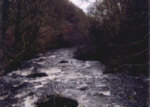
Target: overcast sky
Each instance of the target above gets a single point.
(83, 4)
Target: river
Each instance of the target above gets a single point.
(56, 79)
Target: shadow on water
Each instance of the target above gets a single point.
(57, 101)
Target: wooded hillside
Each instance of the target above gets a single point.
(114, 32)
(118, 35)
(33, 26)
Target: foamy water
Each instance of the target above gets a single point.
(82, 81)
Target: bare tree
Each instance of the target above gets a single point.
(121, 27)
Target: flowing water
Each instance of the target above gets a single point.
(56, 79)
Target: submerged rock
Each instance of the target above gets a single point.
(37, 75)
(63, 61)
(57, 101)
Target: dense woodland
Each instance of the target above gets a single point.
(35, 26)
(114, 32)
(118, 35)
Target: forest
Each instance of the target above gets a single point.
(34, 26)
(113, 32)
(118, 33)
(54, 54)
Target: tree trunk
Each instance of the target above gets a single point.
(17, 23)
(4, 5)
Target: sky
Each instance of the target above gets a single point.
(83, 4)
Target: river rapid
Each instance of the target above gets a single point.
(56, 78)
